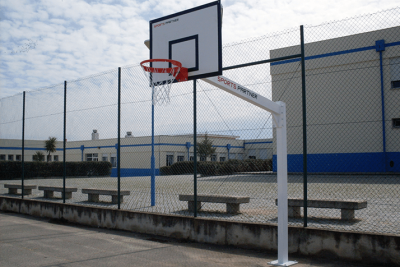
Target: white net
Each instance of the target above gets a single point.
(160, 79)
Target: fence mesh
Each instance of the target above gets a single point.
(353, 134)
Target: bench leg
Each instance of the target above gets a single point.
(294, 212)
(115, 199)
(93, 198)
(27, 192)
(232, 208)
(191, 205)
(68, 195)
(12, 191)
(347, 214)
(48, 194)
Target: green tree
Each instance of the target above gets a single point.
(204, 148)
(38, 156)
(50, 146)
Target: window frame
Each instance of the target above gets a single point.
(92, 157)
(113, 160)
(395, 84)
(396, 123)
(169, 160)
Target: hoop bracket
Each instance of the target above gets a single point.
(182, 75)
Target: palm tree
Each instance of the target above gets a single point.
(50, 146)
(205, 148)
(38, 156)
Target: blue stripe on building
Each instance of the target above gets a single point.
(128, 172)
(333, 54)
(344, 162)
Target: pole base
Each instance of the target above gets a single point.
(288, 263)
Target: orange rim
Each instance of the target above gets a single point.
(162, 70)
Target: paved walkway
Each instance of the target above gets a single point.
(32, 241)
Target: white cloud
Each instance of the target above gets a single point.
(81, 38)
(46, 42)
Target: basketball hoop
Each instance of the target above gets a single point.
(161, 84)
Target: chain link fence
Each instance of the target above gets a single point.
(353, 134)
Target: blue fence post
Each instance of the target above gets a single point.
(82, 149)
(228, 146)
(23, 145)
(188, 145)
(380, 47)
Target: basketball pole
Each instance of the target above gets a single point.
(153, 159)
(278, 111)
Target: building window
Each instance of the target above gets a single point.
(170, 160)
(213, 157)
(92, 157)
(263, 153)
(252, 154)
(113, 160)
(180, 158)
(2, 157)
(395, 72)
(104, 157)
(221, 159)
(55, 157)
(396, 123)
(202, 158)
(48, 157)
(18, 158)
(10, 157)
(191, 158)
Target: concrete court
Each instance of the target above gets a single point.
(33, 241)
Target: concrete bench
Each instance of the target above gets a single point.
(232, 202)
(12, 188)
(93, 194)
(347, 207)
(49, 191)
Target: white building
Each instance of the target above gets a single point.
(136, 151)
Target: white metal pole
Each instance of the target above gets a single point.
(281, 143)
(282, 187)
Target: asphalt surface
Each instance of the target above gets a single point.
(32, 241)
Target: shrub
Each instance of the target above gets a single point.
(13, 169)
(182, 167)
(210, 168)
(166, 170)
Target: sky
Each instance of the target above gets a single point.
(45, 42)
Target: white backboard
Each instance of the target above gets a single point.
(192, 37)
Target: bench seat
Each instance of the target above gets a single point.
(347, 207)
(232, 202)
(93, 194)
(12, 188)
(49, 191)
